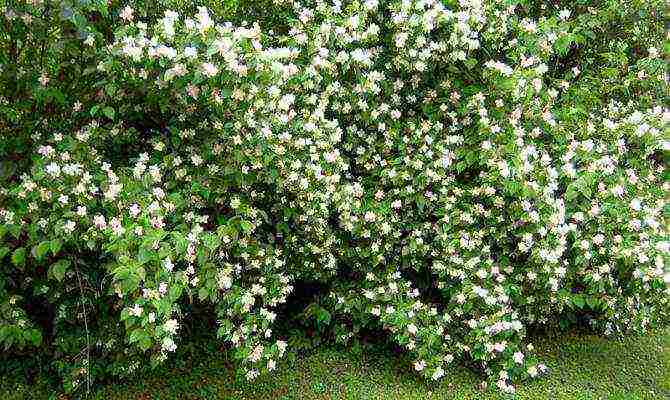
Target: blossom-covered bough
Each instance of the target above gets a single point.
(437, 165)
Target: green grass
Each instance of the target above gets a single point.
(582, 367)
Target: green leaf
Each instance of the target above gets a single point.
(58, 269)
(571, 193)
(211, 241)
(140, 337)
(470, 63)
(144, 255)
(7, 169)
(109, 112)
(34, 336)
(15, 230)
(19, 257)
(211, 50)
(110, 89)
(42, 249)
(578, 301)
(55, 246)
(246, 226)
(323, 316)
(175, 292)
(593, 302)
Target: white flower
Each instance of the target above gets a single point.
(196, 160)
(371, 4)
(158, 192)
(419, 365)
(370, 216)
(134, 210)
(564, 14)
(500, 67)
(190, 52)
(503, 168)
(599, 239)
(209, 69)
(99, 221)
(136, 310)
(171, 326)
(447, 159)
(53, 169)
(252, 374)
(636, 204)
(69, 226)
(256, 354)
(618, 190)
(281, 345)
(412, 329)
(204, 21)
(168, 345)
(167, 264)
(115, 224)
(127, 13)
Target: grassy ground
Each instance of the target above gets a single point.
(582, 367)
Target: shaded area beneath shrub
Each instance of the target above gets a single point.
(582, 367)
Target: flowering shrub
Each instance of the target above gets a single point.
(453, 172)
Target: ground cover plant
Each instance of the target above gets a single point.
(583, 367)
(450, 173)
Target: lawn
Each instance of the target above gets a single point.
(582, 367)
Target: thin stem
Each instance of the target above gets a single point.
(88, 343)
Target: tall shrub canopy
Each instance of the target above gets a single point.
(454, 173)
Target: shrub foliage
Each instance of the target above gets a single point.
(454, 173)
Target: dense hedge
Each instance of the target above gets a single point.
(451, 172)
